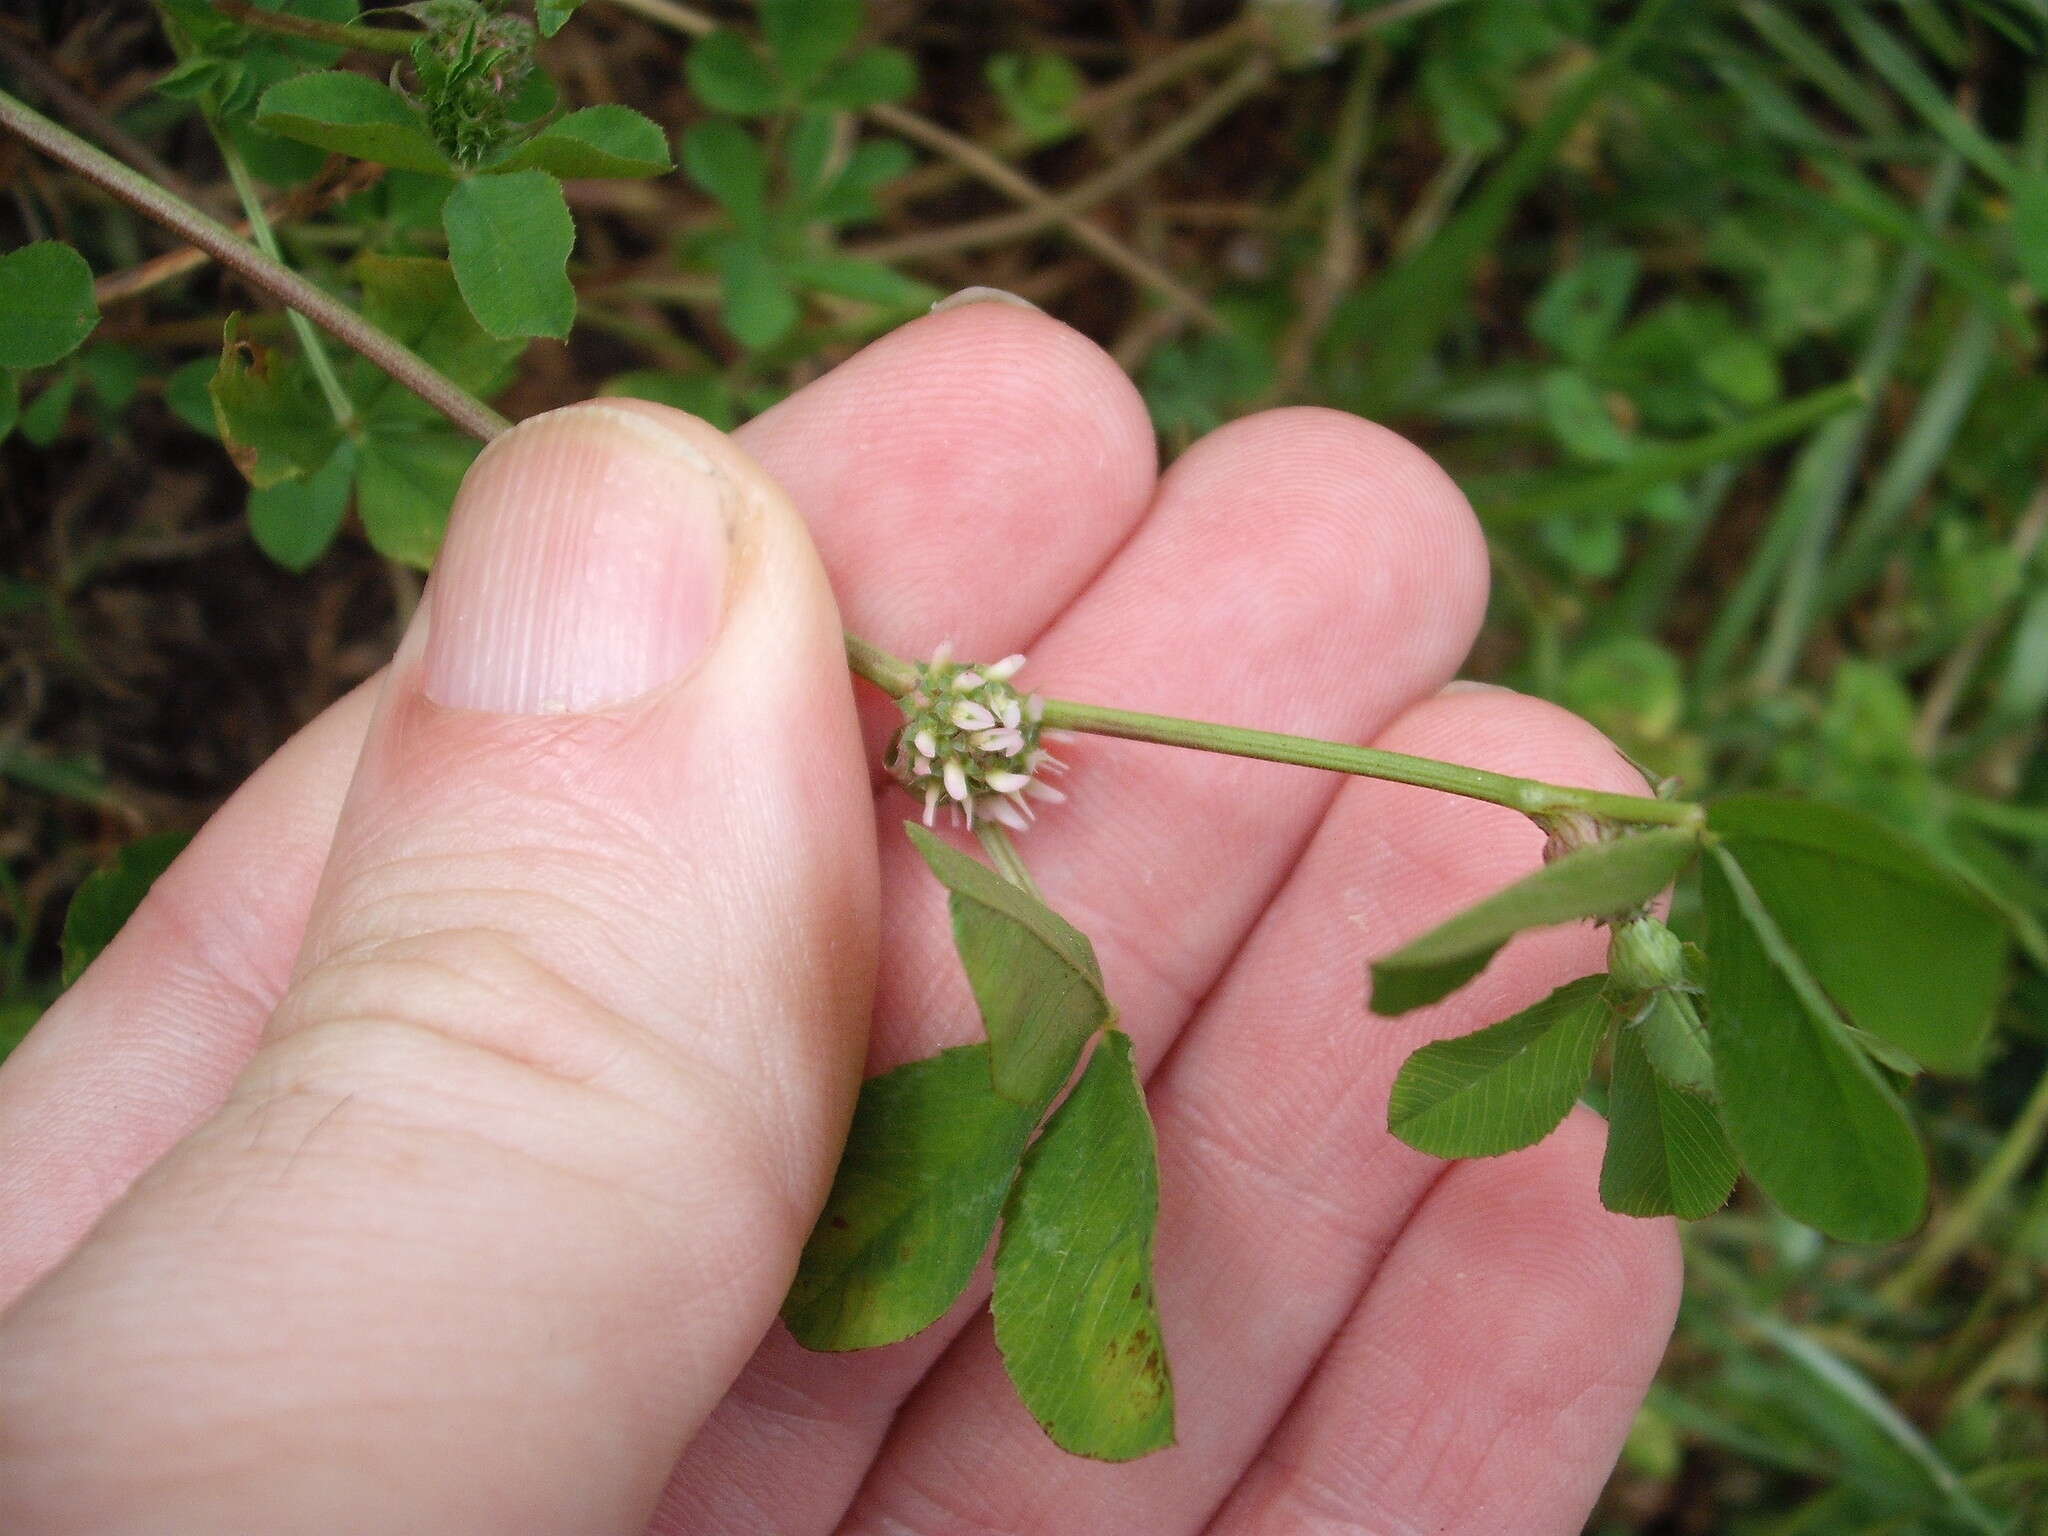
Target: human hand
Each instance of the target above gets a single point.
(481, 1105)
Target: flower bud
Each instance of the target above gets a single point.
(1644, 954)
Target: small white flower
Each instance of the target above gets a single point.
(1006, 813)
(971, 743)
(941, 654)
(1038, 789)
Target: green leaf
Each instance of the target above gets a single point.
(10, 402)
(270, 414)
(727, 75)
(115, 373)
(706, 395)
(727, 162)
(416, 300)
(272, 158)
(43, 419)
(509, 239)
(352, 115)
(1666, 1154)
(1506, 1086)
(1601, 880)
(1905, 949)
(405, 483)
(1038, 91)
(553, 15)
(854, 278)
(1579, 308)
(46, 304)
(603, 141)
(849, 196)
(187, 395)
(1034, 975)
(754, 297)
(807, 152)
(931, 1154)
(1580, 418)
(867, 80)
(807, 35)
(2030, 229)
(1814, 1123)
(109, 896)
(1075, 1317)
(294, 521)
(1676, 1042)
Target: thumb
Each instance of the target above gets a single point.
(519, 1175)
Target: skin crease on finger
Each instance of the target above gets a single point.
(906, 600)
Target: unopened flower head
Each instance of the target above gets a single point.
(970, 743)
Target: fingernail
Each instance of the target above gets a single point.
(585, 564)
(980, 295)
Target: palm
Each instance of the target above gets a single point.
(1362, 1339)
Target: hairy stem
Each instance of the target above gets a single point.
(339, 34)
(1530, 796)
(892, 674)
(237, 254)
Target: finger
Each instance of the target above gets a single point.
(520, 1170)
(910, 462)
(1486, 1384)
(1281, 1188)
(146, 1044)
(1301, 569)
(964, 476)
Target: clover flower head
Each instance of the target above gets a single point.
(972, 745)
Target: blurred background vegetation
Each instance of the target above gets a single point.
(1725, 312)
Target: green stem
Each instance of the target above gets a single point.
(317, 359)
(1529, 796)
(995, 840)
(237, 254)
(892, 674)
(339, 34)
